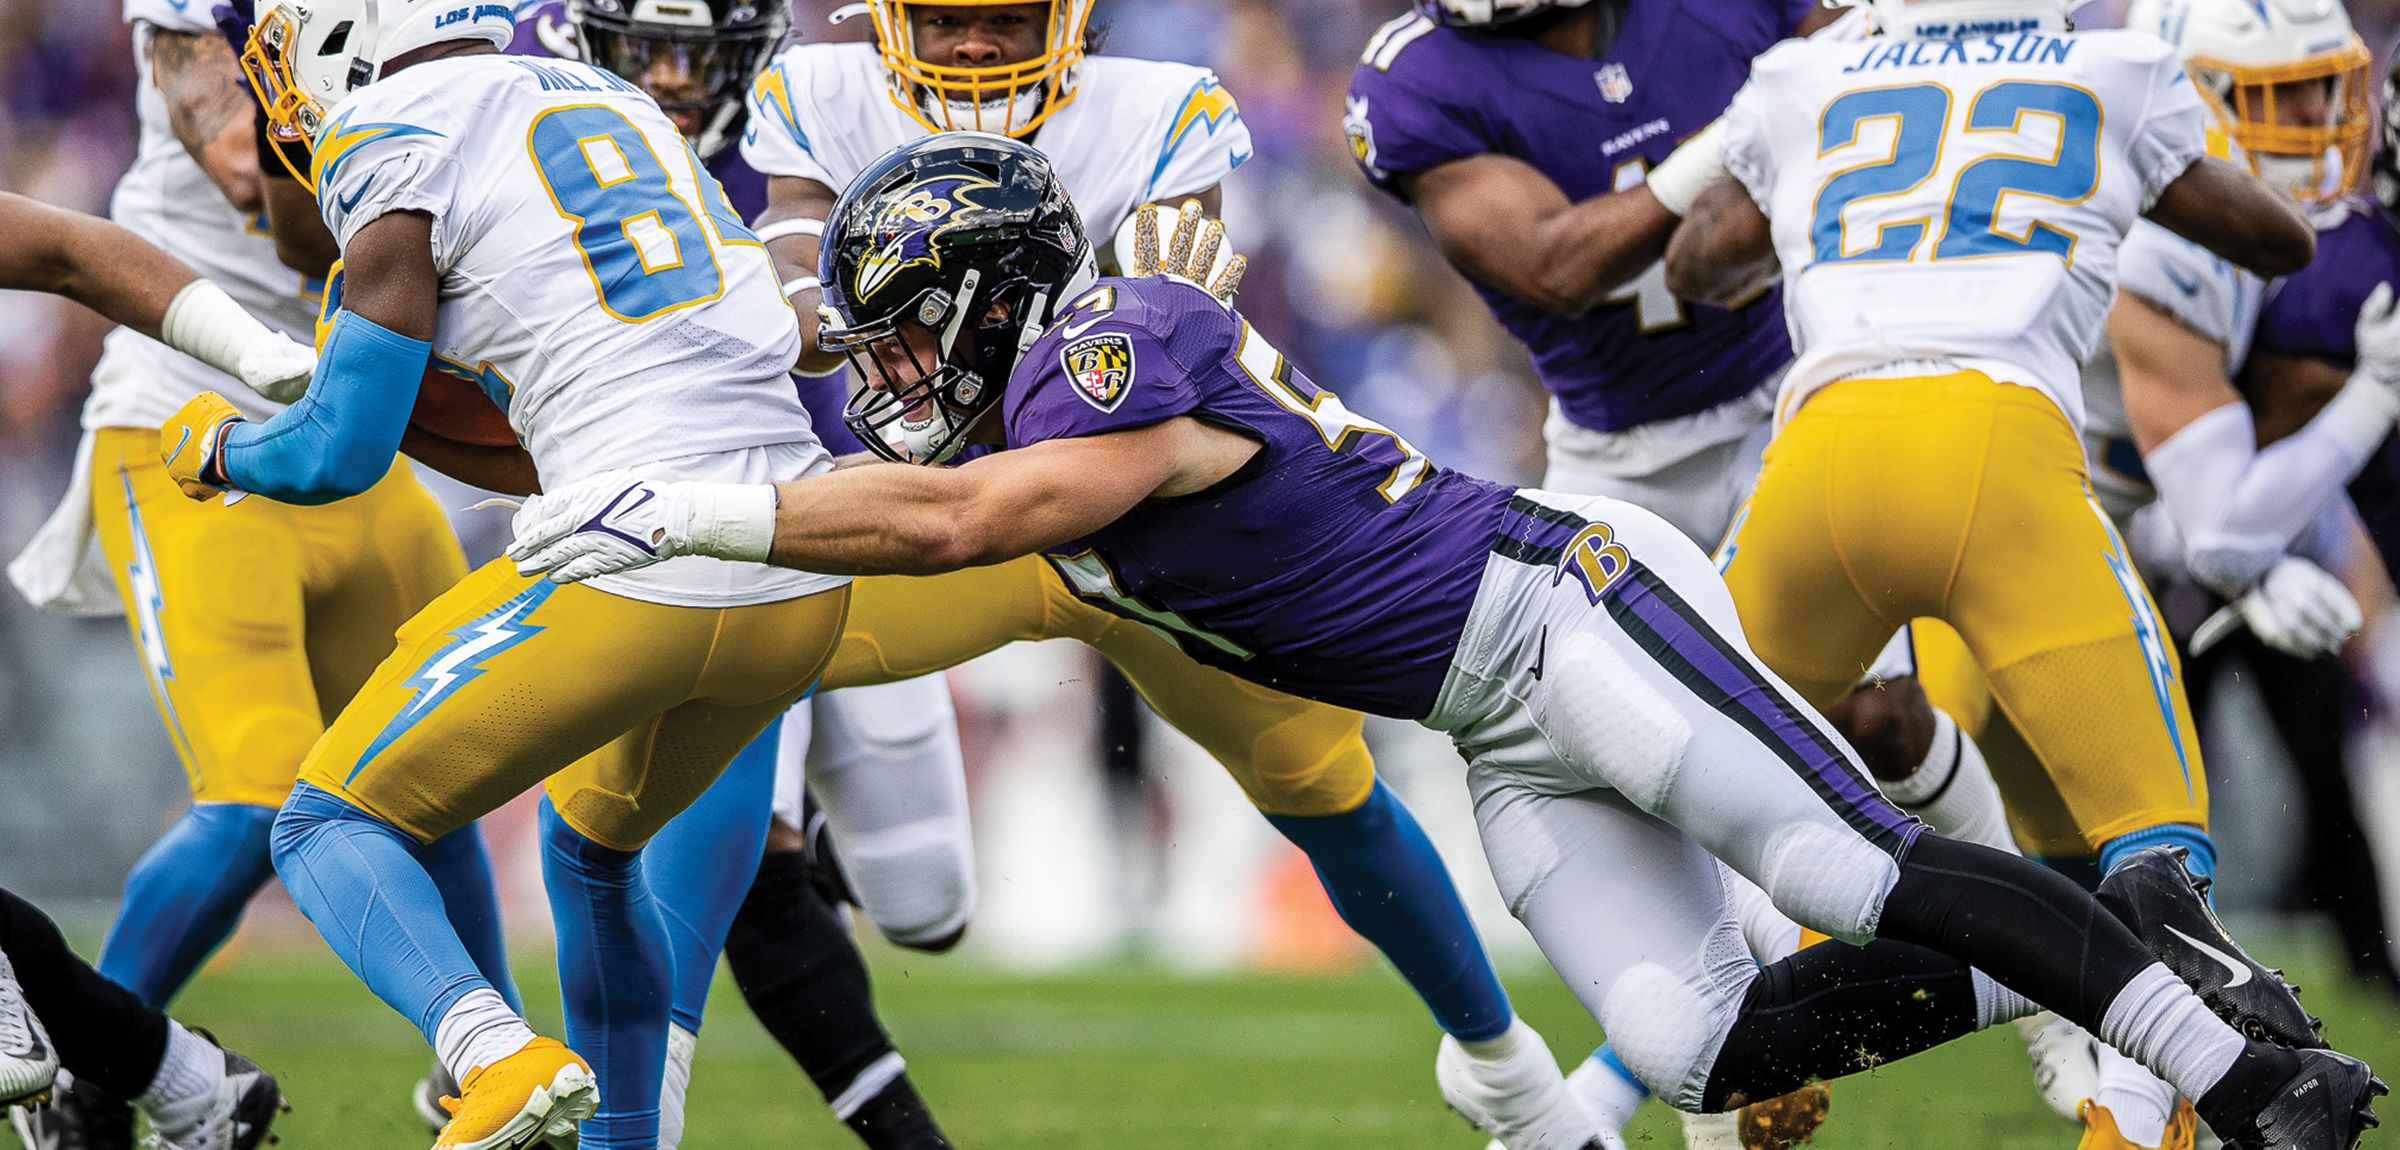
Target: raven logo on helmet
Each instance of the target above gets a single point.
(902, 241)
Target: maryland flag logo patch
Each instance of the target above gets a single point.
(1101, 366)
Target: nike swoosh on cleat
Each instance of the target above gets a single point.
(2233, 966)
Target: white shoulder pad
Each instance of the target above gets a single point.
(805, 102)
(394, 146)
(1196, 136)
(2186, 281)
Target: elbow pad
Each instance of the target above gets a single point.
(340, 438)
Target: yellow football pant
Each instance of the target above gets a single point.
(628, 710)
(1962, 499)
(258, 622)
(1291, 756)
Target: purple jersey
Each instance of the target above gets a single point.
(1337, 564)
(1425, 95)
(2313, 313)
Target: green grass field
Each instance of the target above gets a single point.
(1123, 1059)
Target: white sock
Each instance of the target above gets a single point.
(2139, 1100)
(1498, 1047)
(2157, 1021)
(184, 1093)
(1953, 791)
(678, 1081)
(1608, 1093)
(479, 1031)
(1995, 1004)
(1712, 1131)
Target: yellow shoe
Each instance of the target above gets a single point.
(538, 1093)
(2100, 1129)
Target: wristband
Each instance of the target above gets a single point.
(204, 323)
(798, 284)
(781, 229)
(1680, 178)
(733, 521)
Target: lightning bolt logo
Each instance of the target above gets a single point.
(149, 615)
(1207, 108)
(2157, 659)
(339, 141)
(459, 662)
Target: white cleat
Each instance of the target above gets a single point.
(1518, 1096)
(2066, 1062)
(28, 1063)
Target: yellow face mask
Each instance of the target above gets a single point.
(951, 97)
(2311, 112)
(292, 115)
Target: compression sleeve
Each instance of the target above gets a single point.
(340, 438)
(2240, 508)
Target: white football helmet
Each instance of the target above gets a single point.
(1953, 19)
(2285, 79)
(304, 56)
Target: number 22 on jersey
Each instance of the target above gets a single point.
(1882, 187)
(648, 251)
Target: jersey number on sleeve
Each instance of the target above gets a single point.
(1341, 428)
(649, 252)
(1920, 115)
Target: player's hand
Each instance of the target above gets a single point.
(277, 368)
(1194, 248)
(2378, 333)
(2300, 610)
(234, 20)
(192, 440)
(602, 525)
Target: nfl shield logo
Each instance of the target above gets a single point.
(1101, 365)
(1615, 85)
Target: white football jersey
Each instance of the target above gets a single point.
(2202, 291)
(1137, 131)
(165, 198)
(1946, 205)
(594, 280)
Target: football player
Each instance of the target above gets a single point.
(542, 227)
(254, 624)
(197, 1095)
(1331, 558)
(1654, 399)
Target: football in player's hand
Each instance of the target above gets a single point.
(458, 410)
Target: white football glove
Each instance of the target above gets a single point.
(2378, 334)
(615, 522)
(277, 368)
(2300, 610)
(1195, 248)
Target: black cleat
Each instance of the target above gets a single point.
(2163, 904)
(2326, 1106)
(78, 1116)
(257, 1099)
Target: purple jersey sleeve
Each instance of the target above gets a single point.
(1407, 111)
(1098, 370)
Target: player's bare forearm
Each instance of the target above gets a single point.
(1506, 225)
(91, 261)
(792, 198)
(903, 519)
(2222, 208)
(507, 470)
(209, 108)
(1724, 251)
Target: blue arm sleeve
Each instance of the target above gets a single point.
(340, 438)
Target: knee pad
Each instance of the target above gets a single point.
(1668, 1029)
(916, 882)
(1608, 724)
(1828, 879)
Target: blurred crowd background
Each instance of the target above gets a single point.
(1088, 851)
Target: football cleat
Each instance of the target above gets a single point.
(2100, 1130)
(28, 1063)
(2066, 1062)
(79, 1116)
(244, 1115)
(1520, 1100)
(534, 1096)
(2327, 1105)
(2164, 905)
(426, 1099)
(1785, 1122)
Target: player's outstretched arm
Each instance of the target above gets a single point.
(339, 439)
(884, 518)
(1506, 225)
(2221, 208)
(131, 281)
(1724, 250)
(792, 225)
